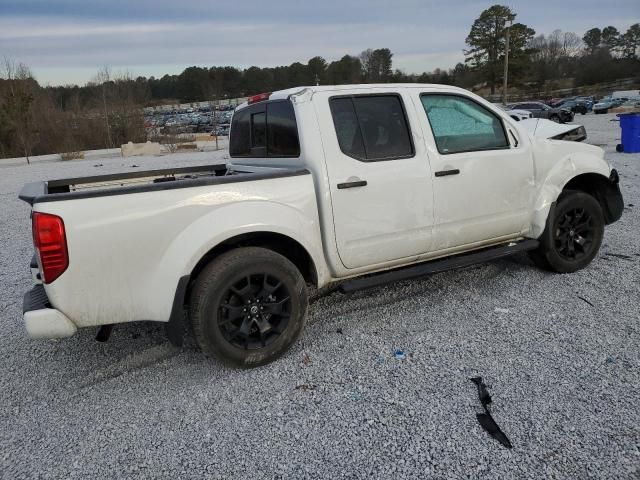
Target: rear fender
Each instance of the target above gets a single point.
(234, 219)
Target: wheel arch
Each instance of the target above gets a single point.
(604, 190)
(567, 165)
(286, 246)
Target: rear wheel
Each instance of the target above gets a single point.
(572, 236)
(248, 306)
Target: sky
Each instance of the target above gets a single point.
(68, 41)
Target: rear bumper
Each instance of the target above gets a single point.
(42, 321)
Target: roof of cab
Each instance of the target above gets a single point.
(284, 94)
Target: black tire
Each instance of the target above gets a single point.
(228, 303)
(573, 236)
(554, 118)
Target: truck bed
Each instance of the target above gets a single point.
(143, 181)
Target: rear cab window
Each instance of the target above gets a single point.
(265, 130)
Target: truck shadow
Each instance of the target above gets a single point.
(139, 345)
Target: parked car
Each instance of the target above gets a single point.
(606, 103)
(222, 130)
(632, 102)
(540, 110)
(362, 184)
(576, 106)
(589, 102)
(516, 114)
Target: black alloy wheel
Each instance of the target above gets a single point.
(574, 234)
(248, 306)
(255, 310)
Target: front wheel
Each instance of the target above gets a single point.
(248, 306)
(555, 118)
(573, 234)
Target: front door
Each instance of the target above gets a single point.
(483, 174)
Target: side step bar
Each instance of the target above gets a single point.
(437, 266)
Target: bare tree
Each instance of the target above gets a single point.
(16, 105)
(214, 120)
(366, 60)
(120, 99)
(103, 78)
(551, 52)
(571, 44)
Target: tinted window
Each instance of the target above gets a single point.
(347, 128)
(371, 128)
(240, 140)
(265, 130)
(282, 131)
(461, 125)
(259, 130)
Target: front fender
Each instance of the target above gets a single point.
(553, 175)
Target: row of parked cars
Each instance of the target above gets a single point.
(523, 110)
(607, 103)
(585, 104)
(563, 110)
(190, 122)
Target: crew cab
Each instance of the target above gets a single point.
(353, 185)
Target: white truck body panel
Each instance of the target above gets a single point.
(128, 252)
(160, 236)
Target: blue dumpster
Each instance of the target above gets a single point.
(630, 125)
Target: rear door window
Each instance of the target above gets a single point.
(372, 127)
(265, 130)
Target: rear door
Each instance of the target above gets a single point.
(379, 175)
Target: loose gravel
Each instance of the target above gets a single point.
(560, 353)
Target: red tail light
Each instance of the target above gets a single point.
(259, 98)
(51, 245)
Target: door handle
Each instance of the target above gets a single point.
(444, 173)
(352, 184)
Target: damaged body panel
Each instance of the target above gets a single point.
(562, 165)
(541, 128)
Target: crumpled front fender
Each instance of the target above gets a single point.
(553, 176)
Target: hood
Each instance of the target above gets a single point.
(542, 128)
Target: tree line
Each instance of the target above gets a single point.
(106, 112)
(600, 55)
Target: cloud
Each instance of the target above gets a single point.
(157, 36)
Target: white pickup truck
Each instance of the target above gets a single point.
(362, 184)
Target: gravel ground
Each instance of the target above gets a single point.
(564, 373)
